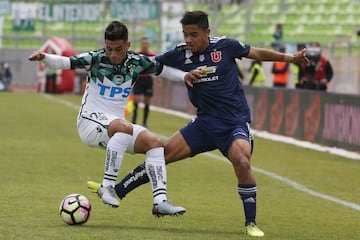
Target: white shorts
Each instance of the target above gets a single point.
(93, 126)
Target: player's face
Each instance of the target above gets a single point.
(195, 37)
(116, 50)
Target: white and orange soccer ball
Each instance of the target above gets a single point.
(75, 209)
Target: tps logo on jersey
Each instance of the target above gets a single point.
(114, 92)
(216, 56)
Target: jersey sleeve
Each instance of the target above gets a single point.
(239, 48)
(150, 65)
(83, 60)
(167, 58)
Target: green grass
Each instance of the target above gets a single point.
(43, 160)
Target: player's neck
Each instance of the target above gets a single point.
(202, 49)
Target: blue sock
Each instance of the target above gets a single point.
(133, 180)
(247, 194)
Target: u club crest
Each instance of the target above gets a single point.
(216, 56)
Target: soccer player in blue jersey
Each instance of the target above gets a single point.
(111, 74)
(223, 116)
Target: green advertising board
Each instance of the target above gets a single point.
(69, 12)
(135, 9)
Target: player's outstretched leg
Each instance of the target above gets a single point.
(133, 180)
(139, 177)
(159, 210)
(136, 178)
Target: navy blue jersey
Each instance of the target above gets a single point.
(219, 92)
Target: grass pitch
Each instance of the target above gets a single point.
(42, 160)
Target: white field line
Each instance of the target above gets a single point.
(63, 102)
(282, 179)
(295, 185)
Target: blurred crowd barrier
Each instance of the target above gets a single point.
(325, 118)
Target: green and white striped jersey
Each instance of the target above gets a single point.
(109, 86)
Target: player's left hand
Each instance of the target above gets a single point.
(192, 77)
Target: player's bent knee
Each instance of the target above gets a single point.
(119, 125)
(156, 142)
(146, 141)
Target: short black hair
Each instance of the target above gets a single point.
(116, 31)
(199, 18)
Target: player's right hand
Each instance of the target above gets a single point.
(37, 55)
(192, 77)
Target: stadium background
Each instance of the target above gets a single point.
(27, 25)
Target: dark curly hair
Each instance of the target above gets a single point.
(116, 31)
(199, 18)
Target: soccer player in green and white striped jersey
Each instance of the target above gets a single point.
(111, 73)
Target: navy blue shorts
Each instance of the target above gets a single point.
(206, 133)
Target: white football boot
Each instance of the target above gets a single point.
(167, 208)
(108, 196)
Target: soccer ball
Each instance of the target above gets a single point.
(75, 209)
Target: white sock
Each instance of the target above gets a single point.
(115, 151)
(156, 171)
